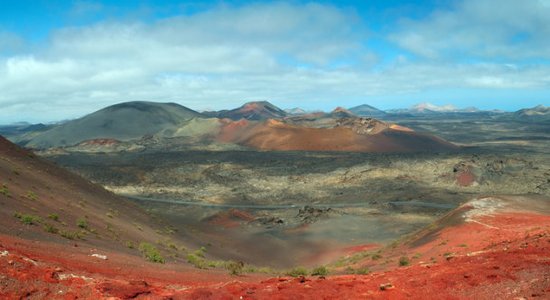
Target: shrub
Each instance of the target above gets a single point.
(376, 256)
(320, 271)
(298, 271)
(171, 245)
(82, 223)
(196, 261)
(31, 195)
(151, 253)
(69, 235)
(403, 261)
(130, 244)
(27, 219)
(200, 252)
(54, 217)
(362, 271)
(50, 228)
(234, 267)
(5, 191)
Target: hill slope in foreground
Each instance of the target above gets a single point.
(490, 247)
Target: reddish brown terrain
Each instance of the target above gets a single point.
(352, 135)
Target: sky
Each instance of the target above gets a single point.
(63, 59)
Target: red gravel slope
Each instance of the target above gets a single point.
(277, 135)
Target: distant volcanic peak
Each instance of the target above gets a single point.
(365, 108)
(539, 112)
(539, 109)
(258, 106)
(140, 105)
(257, 110)
(295, 111)
(448, 108)
(123, 121)
(424, 106)
(340, 112)
(339, 109)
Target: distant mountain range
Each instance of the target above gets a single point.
(256, 125)
(428, 108)
(139, 119)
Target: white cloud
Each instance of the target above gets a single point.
(307, 55)
(508, 29)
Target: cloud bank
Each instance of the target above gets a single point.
(311, 55)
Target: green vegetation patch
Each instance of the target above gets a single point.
(320, 271)
(197, 261)
(51, 229)
(70, 235)
(27, 219)
(234, 267)
(404, 261)
(82, 223)
(298, 271)
(5, 191)
(31, 195)
(151, 253)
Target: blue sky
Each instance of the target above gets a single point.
(63, 59)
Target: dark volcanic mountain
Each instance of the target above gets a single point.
(124, 121)
(259, 110)
(22, 128)
(365, 110)
(538, 113)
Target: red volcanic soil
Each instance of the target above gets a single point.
(490, 248)
(277, 135)
(465, 178)
(231, 218)
(231, 129)
(43, 270)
